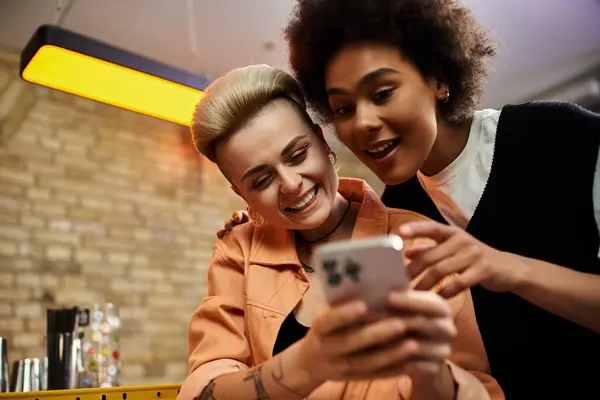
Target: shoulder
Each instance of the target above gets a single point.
(487, 114)
(551, 112)
(398, 217)
(236, 245)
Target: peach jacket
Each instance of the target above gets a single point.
(255, 280)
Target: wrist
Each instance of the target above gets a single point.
(430, 385)
(523, 275)
(307, 364)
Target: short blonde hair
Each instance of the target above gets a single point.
(235, 98)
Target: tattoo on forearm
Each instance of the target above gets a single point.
(208, 392)
(278, 378)
(256, 377)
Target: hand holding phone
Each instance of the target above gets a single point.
(399, 326)
(366, 269)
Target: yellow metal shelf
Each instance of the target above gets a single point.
(159, 392)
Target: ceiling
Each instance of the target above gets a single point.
(543, 42)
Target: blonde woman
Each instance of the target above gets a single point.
(264, 330)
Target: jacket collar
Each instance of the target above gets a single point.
(273, 246)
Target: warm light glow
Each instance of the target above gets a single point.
(113, 84)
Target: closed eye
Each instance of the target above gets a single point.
(382, 95)
(262, 183)
(298, 157)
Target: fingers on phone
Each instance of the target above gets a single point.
(441, 329)
(417, 302)
(378, 359)
(340, 317)
(396, 357)
(368, 336)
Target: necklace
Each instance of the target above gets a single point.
(334, 228)
(307, 267)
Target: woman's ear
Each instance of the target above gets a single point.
(441, 86)
(442, 92)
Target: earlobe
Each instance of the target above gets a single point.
(446, 97)
(439, 84)
(442, 91)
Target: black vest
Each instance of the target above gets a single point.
(537, 203)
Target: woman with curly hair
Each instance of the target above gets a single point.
(515, 192)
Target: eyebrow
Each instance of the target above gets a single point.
(286, 151)
(290, 146)
(365, 80)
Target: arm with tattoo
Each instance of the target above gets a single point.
(208, 392)
(281, 377)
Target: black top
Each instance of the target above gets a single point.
(290, 332)
(538, 203)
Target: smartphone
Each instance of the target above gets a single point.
(366, 269)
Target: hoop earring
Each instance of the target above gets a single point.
(255, 218)
(447, 97)
(332, 157)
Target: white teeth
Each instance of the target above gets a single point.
(305, 201)
(381, 148)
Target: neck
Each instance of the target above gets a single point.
(338, 211)
(450, 142)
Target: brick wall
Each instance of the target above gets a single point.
(99, 204)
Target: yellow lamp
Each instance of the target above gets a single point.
(66, 61)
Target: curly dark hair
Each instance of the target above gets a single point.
(437, 36)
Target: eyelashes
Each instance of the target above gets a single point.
(379, 97)
(297, 157)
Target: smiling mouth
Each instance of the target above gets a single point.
(383, 149)
(305, 202)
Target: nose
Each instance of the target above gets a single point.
(366, 118)
(291, 182)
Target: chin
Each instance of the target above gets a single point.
(311, 222)
(395, 176)
(389, 178)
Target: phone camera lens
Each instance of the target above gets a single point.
(353, 270)
(330, 265)
(335, 279)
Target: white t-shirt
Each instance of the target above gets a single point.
(456, 190)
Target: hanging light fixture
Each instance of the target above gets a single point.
(76, 64)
